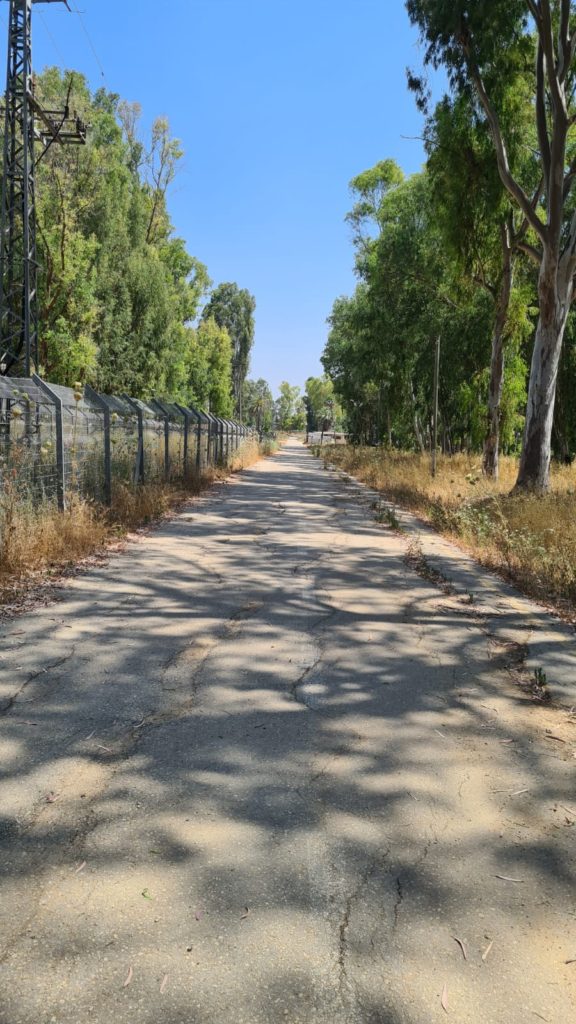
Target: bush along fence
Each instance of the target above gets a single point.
(57, 441)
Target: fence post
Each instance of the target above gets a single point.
(159, 407)
(186, 414)
(213, 439)
(167, 448)
(199, 419)
(189, 414)
(59, 410)
(96, 400)
(139, 468)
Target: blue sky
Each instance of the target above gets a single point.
(278, 103)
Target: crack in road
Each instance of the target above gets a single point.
(398, 901)
(11, 701)
(345, 981)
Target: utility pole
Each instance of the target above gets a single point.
(435, 407)
(18, 259)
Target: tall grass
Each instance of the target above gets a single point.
(531, 539)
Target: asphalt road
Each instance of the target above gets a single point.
(261, 767)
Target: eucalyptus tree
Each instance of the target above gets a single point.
(476, 217)
(482, 43)
(321, 402)
(258, 404)
(233, 308)
(380, 349)
(117, 288)
(289, 408)
(209, 368)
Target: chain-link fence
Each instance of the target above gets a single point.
(57, 441)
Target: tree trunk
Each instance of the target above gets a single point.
(492, 440)
(417, 429)
(555, 294)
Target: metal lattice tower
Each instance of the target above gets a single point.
(18, 260)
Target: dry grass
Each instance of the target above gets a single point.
(36, 539)
(32, 538)
(531, 539)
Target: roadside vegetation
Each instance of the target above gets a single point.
(529, 538)
(461, 327)
(38, 542)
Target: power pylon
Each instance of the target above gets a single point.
(18, 260)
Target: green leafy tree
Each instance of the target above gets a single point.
(321, 402)
(233, 308)
(117, 289)
(380, 350)
(210, 368)
(289, 410)
(476, 218)
(482, 43)
(258, 405)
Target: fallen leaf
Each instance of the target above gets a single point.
(551, 736)
(245, 914)
(199, 914)
(163, 983)
(462, 946)
(80, 868)
(486, 952)
(128, 977)
(51, 798)
(146, 894)
(507, 741)
(444, 999)
(506, 878)
(570, 961)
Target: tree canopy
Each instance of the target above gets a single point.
(121, 298)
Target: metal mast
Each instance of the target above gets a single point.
(18, 261)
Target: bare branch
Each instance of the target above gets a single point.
(529, 250)
(541, 124)
(571, 51)
(481, 280)
(508, 180)
(564, 40)
(546, 37)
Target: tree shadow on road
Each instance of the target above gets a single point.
(273, 773)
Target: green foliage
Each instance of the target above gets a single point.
(118, 291)
(210, 368)
(289, 410)
(233, 308)
(380, 349)
(258, 405)
(321, 403)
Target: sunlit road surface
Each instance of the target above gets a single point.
(257, 769)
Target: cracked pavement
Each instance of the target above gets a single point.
(257, 765)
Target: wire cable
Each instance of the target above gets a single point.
(88, 37)
(52, 39)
